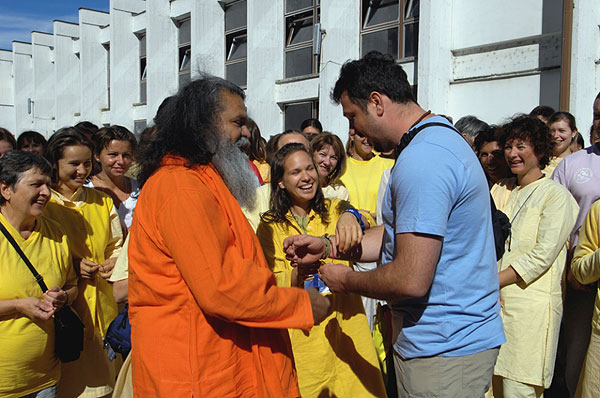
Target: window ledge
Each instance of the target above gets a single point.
(296, 78)
(405, 60)
(139, 104)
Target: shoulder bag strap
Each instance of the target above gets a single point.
(39, 279)
(410, 134)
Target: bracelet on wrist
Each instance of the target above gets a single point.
(67, 300)
(358, 216)
(327, 249)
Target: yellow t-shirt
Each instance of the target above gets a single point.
(92, 225)
(27, 360)
(362, 179)
(337, 357)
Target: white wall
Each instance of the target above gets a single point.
(7, 111)
(92, 66)
(43, 110)
(23, 85)
(67, 76)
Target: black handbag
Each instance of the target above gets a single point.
(68, 328)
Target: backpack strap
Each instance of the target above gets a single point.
(410, 134)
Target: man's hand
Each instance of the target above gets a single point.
(106, 269)
(303, 249)
(87, 268)
(35, 309)
(320, 305)
(334, 275)
(347, 232)
(56, 297)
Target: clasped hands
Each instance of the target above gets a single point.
(33, 308)
(88, 268)
(305, 252)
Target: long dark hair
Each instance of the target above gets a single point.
(187, 125)
(280, 202)
(327, 138)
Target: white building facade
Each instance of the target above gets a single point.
(491, 58)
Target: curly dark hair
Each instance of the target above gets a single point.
(280, 202)
(487, 135)
(187, 125)
(327, 138)
(373, 72)
(67, 136)
(531, 130)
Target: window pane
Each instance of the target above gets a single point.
(236, 73)
(235, 16)
(411, 9)
(411, 39)
(184, 32)
(376, 12)
(185, 58)
(143, 92)
(295, 114)
(299, 29)
(294, 5)
(143, 46)
(384, 41)
(142, 68)
(236, 46)
(184, 79)
(299, 62)
(138, 127)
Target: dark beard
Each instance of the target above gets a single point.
(233, 166)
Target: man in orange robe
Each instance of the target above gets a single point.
(207, 317)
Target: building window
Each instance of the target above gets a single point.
(390, 27)
(107, 48)
(236, 43)
(294, 114)
(138, 127)
(301, 16)
(143, 67)
(184, 34)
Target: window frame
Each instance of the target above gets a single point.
(233, 34)
(143, 67)
(314, 109)
(401, 24)
(186, 47)
(290, 18)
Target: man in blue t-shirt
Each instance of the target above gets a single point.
(437, 248)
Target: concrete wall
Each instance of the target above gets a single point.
(93, 63)
(7, 96)
(489, 58)
(67, 76)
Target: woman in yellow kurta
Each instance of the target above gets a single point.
(28, 364)
(337, 357)
(92, 225)
(586, 269)
(531, 272)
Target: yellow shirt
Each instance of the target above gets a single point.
(542, 215)
(586, 259)
(548, 170)
(337, 357)
(94, 230)
(362, 179)
(27, 360)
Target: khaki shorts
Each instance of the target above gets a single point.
(466, 376)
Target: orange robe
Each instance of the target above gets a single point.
(207, 317)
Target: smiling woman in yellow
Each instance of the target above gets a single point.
(531, 272)
(92, 225)
(337, 357)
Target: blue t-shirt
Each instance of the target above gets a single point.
(438, 187)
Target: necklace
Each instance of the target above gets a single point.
(420, 119)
